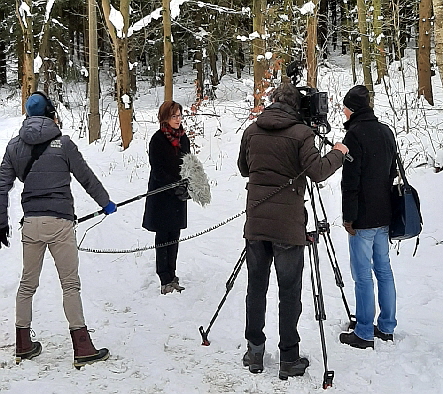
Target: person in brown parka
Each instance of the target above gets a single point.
(275, 149)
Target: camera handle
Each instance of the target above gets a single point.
(348, 157)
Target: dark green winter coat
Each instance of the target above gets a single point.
(165, 211)
(276, 148)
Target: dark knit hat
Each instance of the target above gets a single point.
(357, 98)
(36, 105)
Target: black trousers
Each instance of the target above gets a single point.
(288, 261)
(166, 256)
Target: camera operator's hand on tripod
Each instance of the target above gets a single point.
(341, 147)
(348, 227)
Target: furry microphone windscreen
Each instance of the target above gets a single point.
(198, 188)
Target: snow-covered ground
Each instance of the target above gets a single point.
(154, 339)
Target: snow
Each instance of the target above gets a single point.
(154, 339)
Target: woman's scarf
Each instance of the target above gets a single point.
(173, 135)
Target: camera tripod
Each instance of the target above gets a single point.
(312, 239)
(322, 229)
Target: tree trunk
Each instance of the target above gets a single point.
(28, 80)
(366, 54)
(424, 51)
(120, 46)
(167, 50)
(258, 47)
(380, 53)
(438, 35)
(198, 62)
(94, 115)
(3, 76)
(311, 47)
(45, 55)
(348, 40)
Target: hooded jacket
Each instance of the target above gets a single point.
(366, 181)
(276, 148)
(46, 190)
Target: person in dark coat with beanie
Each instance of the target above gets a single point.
(279, 149)
(44, 159)
(166, 212)
(366, 206)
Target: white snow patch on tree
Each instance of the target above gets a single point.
(25, 12)
(37, 64)
(116, 18)
(307, 8)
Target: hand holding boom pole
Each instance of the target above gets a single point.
(193, 177)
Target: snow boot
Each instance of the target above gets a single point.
(353, 340)
(383, 336)
(293, 368)
(176, 285)
(25, 349)
(168, 288)
(253, 357)
(84, 350)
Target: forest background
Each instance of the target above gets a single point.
(53, 45)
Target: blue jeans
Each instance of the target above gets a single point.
(288, 261)
(369, 251)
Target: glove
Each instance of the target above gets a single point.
(182, 193)
(110, 208)
(348, 227)
(4, 234)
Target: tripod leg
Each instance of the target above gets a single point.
(338, 277)
(319, 307)
(229, 284)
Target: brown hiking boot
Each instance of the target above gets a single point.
(84, 350)
(25, 349)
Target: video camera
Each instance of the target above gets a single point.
(314, 104)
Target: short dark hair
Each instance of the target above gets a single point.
(167, 109)
(288, 94)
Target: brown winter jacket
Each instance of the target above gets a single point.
(276, 148)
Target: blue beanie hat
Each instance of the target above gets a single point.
(36, 105)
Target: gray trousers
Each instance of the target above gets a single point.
(58, 235)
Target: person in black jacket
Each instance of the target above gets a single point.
(366, 206)
(44, 159)
(166, 212)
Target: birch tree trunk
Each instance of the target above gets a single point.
(366, 53)
(438, 35)
(93, 87)
(120, 46)
(167, 50)
(28, 79)
(424, 51)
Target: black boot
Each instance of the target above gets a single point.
(353, 340)
(293, 368)
(253, 358)
(84, 350)
(383, 336)
(25, 349)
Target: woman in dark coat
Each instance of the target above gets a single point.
(165, 212)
